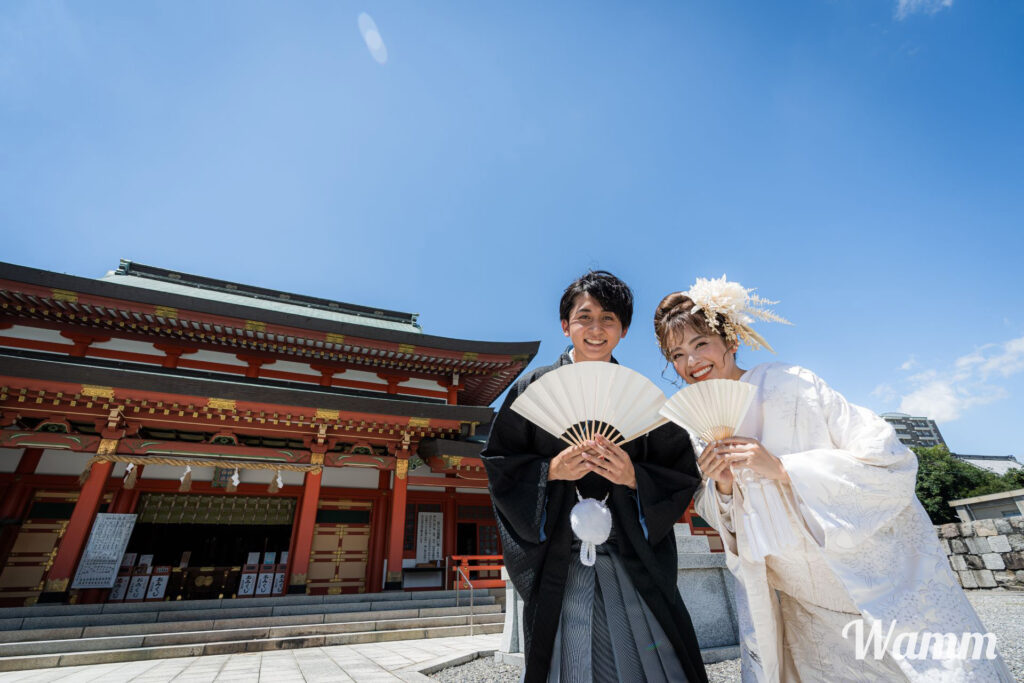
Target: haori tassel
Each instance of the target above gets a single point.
(592, 523)
(186, 480)
(276, 483)
(131, 475)
(233, 482)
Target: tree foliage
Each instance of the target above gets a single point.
(941, 478)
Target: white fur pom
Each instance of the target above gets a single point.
(592, 523)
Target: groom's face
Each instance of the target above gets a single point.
(594, 331)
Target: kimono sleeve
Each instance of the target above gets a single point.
(517, 477)
(717, 512)
(666, 479)
(848, 492)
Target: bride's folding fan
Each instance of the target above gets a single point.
(714, 409)
(580, 401)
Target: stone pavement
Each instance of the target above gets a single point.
(399, 660)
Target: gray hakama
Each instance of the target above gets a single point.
(606, 632)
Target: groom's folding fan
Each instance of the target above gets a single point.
(580, 401)
(712, 409)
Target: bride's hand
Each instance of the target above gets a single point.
(740, 450)
(716, 467)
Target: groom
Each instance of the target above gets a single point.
(588, 622)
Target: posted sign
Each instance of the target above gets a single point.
(104, 550)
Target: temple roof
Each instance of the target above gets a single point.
(175, 282)
(146, 303)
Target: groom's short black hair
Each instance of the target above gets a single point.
(612, 293)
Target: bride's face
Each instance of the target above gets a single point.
(697, 356)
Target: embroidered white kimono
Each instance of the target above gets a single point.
(867, 548)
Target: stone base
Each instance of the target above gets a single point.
(713, 655)
(706, 586)
(512, 658)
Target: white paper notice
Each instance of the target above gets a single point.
(104, 550)
(429, 532)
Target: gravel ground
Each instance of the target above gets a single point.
(1001, 611)
(482, 669)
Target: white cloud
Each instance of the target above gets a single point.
(944, 395)
(905, 8)
(1009, 361)
(885, 392)
(944, 401)
(909, 363)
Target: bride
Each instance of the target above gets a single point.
(816, 508)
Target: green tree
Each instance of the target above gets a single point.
(942, 478)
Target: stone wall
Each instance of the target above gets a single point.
(986, 553)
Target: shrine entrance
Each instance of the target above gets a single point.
(341, 548)
(206, 543)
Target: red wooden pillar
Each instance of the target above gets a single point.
(396, 534)
(449, 522)
(15, 498)
(76, 533)
(453, 387)
(378, 535)
(299, 559)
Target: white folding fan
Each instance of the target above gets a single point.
(714, 409)
(580, 401)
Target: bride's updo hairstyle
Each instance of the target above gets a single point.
(676, 312)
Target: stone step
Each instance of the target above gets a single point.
(227, 624)
(155, 614)
(45, 610)
(42, 647)
(38, 661)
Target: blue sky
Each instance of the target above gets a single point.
(858, 160)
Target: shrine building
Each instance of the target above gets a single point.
(265, 442)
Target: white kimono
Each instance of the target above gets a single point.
(866, 549)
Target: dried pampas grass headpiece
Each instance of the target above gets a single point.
(737, 305)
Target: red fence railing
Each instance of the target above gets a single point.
(478, 571)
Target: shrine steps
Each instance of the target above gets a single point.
(177, 632)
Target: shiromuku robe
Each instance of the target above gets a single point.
(867, 548)
(533, 520)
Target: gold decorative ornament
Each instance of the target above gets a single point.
(166, 312)
(56, 585)
(97, 392)
(221, 403)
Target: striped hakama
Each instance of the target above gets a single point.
(606, 632)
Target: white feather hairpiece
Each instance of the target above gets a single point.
(577, 402)
(738, 305)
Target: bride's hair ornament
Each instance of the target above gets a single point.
(738, 308)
